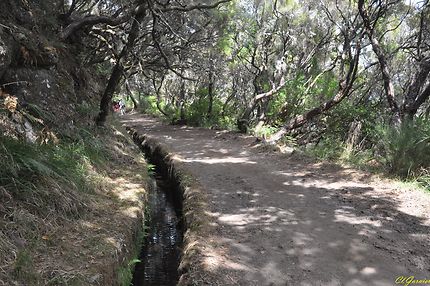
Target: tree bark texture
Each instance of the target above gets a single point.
(243, 121)
(354, 134)
(135, 103)
(210, 93)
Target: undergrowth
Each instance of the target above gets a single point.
(402, 152)
(196, 112)
(405, 151)
(52, 191)
(125, 272)
(25, 168)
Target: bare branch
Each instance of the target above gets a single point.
(386, 75)
(91, 21)
(188, 8)
(344, 91)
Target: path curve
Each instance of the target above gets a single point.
(282, 220)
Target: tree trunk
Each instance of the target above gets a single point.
(160, 108)
(108, 94)
(118, 70)
(345, 86)
(414, 99)
(210, 93)
(158, 93)
(243, 121)
(182, 102)
(302, 119)
(229, 98)
(262, 113)
(91, 21)
(135, 103)
(386, 74)
(354, 134)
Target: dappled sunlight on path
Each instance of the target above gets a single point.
(286, 221)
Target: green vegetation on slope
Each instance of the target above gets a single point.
(77, 201)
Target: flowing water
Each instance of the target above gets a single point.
(161, 253)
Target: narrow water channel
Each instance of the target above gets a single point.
(160, 254)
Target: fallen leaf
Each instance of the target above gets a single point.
(11, 102)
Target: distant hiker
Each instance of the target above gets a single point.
(115, 106)
(122, 106)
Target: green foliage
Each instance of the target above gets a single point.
(23, 268)
(340, 118)
(298, 96)
(405, 150)
(331, 149)
(228, 121)
(287, 103)
(24, 166)
(197, 112)
(128, 101)
(102, 69)
(264, 131)
(148, 105)
(327, 149)
(125, 273)
(225, 44)
(37, 112)
(151, 169)
(424, 180)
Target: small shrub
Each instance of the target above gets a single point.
(149, 105)
(405, 150)
(125, 273)
(197, 113)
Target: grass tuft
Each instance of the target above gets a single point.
(405, 149)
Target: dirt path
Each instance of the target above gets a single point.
(287, 221)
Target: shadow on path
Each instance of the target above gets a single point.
(286, 222)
